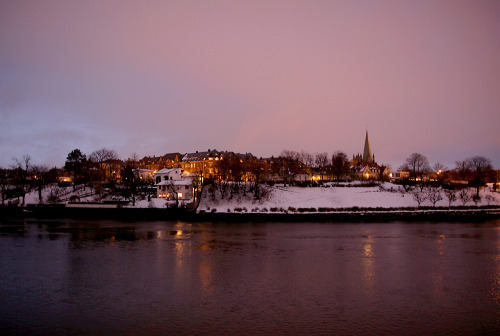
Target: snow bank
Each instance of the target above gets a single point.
(387, 196)
(280, 198)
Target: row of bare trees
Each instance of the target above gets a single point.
(429, 181)
(290, 162)
(434, 194)
(476, 170)
(88, 169)
(24, 176)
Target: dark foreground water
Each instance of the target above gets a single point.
(159, 278)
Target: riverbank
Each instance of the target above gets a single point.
(349, 202)
(363, 215)
(430, 214)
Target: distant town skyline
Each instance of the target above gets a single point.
(157, 77)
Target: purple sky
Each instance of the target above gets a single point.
(152, 77)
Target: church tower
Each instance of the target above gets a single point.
(367, 153)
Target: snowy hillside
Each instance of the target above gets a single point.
(284, 198)
(279, 198)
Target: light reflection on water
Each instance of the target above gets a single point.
(115, 278)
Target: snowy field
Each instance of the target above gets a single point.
(281, 198)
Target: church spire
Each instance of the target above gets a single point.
(367, 153)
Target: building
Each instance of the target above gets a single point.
(202, 163)
(112, 170)
(144, 174)
(369, 171)
(367, 154)
(400, 175)
(170, 160)
(364, 167)
(174, 184)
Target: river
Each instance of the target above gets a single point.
(77, 277)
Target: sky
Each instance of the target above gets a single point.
(155, 77)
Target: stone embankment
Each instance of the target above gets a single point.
(340, 215)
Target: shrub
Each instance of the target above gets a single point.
(476, 199)
(325, 209)
(301, 210)
(489, 199)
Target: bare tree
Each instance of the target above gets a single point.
(252, 165)
(476, 199)
(451, 195)
(340, 165)
(481, 169)
(489, 199)
(172, 192)
(103, 154)
(130, 180)
(307, 159)
(4, 184)
(223, 177)
(100, 157)
(418, 166)
(440, 171)
(464, 196)
(21, 176)
(434, 194)
(285, 172)
(40, 175)
(462, 170)
(290, 155)
(406, 183)
(419, 196)
(321, 160)
(134, 160)
(288, 165)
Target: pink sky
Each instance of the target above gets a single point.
(152, 77)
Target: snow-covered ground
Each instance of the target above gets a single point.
(66, 194)
(153, 203)
(63, 194)
(283, 198)
(280, 198)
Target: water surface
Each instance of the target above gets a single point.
(155, 278)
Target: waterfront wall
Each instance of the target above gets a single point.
(343, 215)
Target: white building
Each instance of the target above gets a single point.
(173, 184)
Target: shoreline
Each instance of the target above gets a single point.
(431, 214)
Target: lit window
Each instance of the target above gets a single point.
(179, 195)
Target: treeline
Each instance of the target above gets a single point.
(426, 183)
(242, 174)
